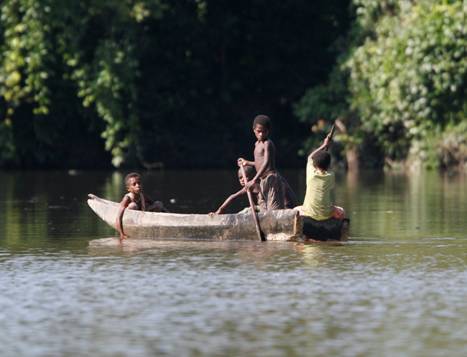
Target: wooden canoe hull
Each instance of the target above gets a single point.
(280, 225)
(328, 230)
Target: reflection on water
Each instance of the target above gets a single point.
(397, 288)
(406, 206)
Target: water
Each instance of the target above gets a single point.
(399, 287)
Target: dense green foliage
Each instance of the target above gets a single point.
(173, 82)
(399, 85)
(177, 83)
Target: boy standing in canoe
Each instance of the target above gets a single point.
(136, 200)
(275, 190)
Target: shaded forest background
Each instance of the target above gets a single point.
(157, 83)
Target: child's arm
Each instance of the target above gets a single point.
(229, 200)
(119, 222)
(242, 162)
(324, 145)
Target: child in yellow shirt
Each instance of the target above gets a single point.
(319, 185)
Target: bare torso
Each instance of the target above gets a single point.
(265, 154)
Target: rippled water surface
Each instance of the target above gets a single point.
(398, 287)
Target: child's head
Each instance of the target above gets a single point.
(133, 182)
(249, 172)
(261, 127)
(322, 160)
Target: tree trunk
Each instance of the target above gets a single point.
(351, 155)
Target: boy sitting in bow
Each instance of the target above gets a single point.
(135, 200)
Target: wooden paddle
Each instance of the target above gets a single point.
(331, 134)
(252, 206)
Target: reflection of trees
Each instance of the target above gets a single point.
(114, 187)
(312, 254)
(440, 199)
(402, 205)
(37, 208)
(22, 207)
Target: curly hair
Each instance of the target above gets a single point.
(131, 175)
(263, 120)
(322, 160)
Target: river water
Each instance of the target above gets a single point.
(397, 288)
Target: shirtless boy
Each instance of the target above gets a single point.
(136, 200)
(275, 190)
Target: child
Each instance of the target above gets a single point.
(135, 199)
(255, 190)
(319, 184)
(275, 190)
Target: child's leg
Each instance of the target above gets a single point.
(272, 190)
(299, 209)
(133, 205)
(338, 212)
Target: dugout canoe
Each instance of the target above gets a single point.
(277, 225)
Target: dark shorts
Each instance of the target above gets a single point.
(272, 189)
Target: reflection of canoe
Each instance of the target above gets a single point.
(280, 225)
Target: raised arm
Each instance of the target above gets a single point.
(229, 200)
(323, 146)
(119, 221)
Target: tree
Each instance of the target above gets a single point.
(163, 82)
(404, 78)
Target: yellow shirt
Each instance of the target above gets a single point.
(318, 202)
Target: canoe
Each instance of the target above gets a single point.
(277, 225)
